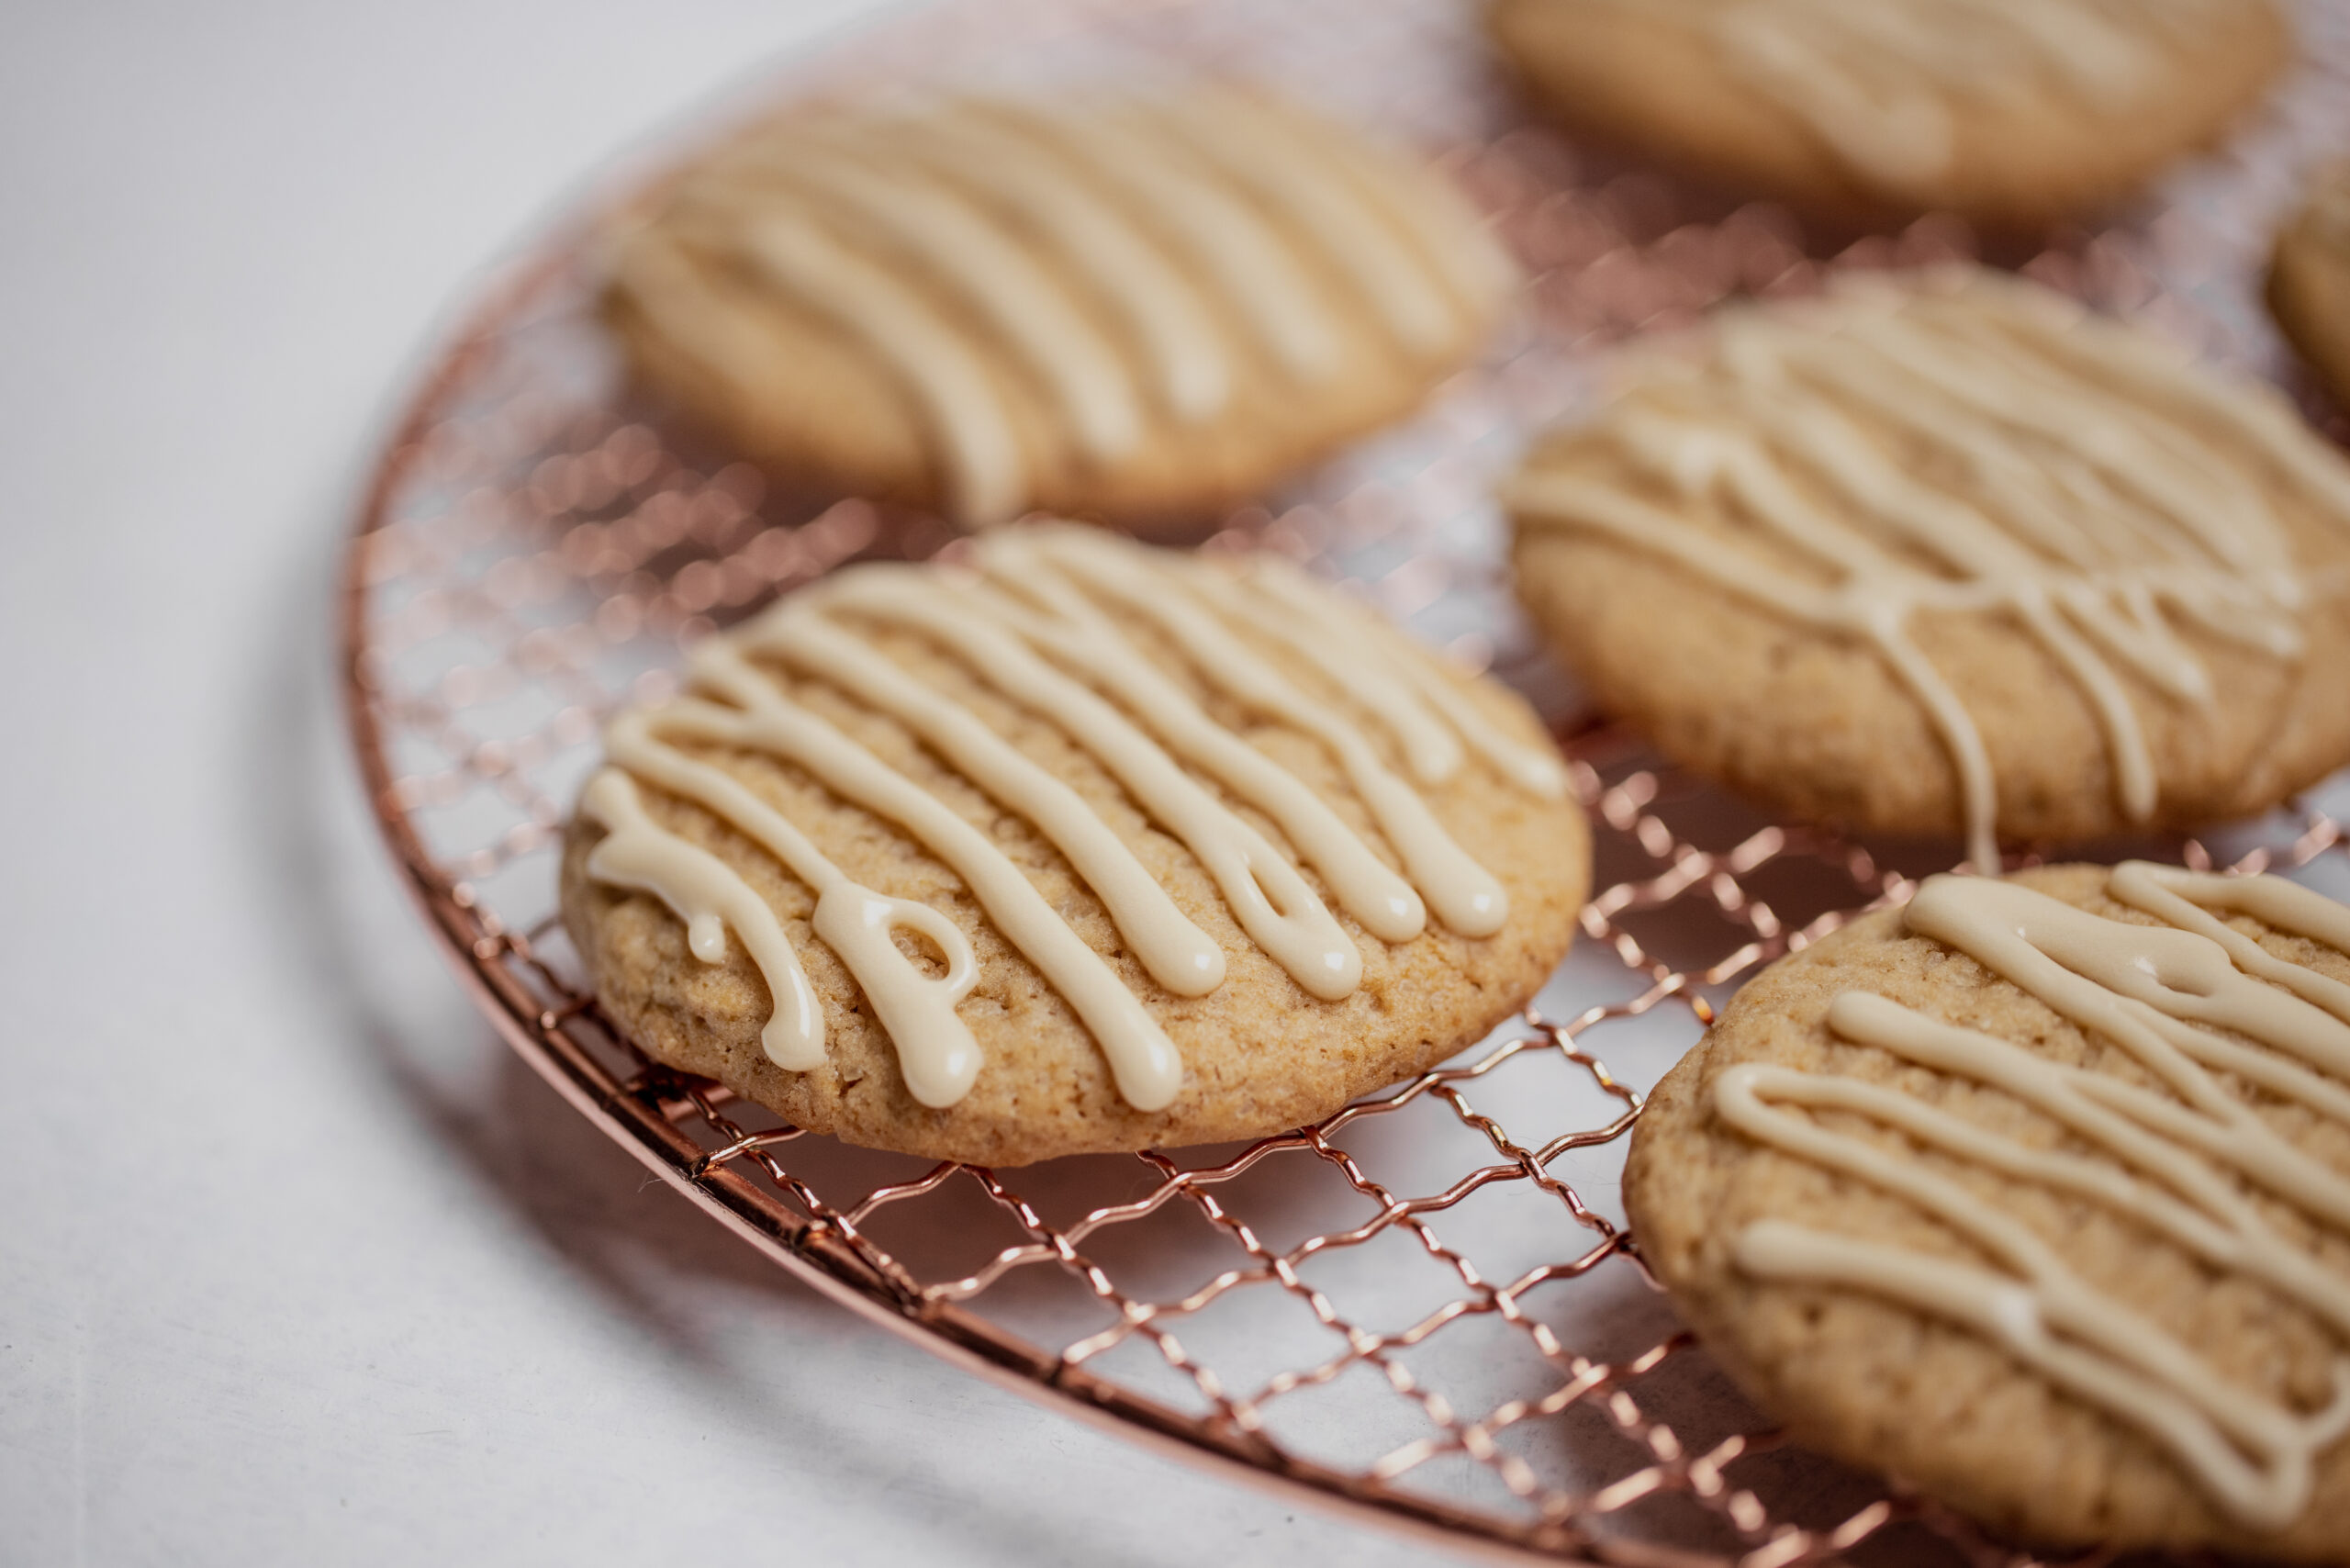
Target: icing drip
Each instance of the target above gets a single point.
(1037, 623)
(2086, 492)
(1273, 903)
(1877, 83)
(1351, 648)
(908, 219)
(2176, 1158)
(1466, 897)
(946, 375)
(1130, 264)
(1300, 179)
(853, 921)
(1190, 366)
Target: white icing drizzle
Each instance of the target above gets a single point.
(1135, 263)
(945, 373)
(853, 921)
(1877, 82)
(1178, 954)
(1206, 227)
(1419, 200)
(2057, 470)
(1273, 905)
(1406, 694)
(1464, 894)
(1076, 631)
(1301, 179)
(908, 218)
(2176, 1158)
(1036, 625)
(1311, 624)
(1189, 359)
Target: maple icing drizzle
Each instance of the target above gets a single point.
(1130, 262)
(1876, 82)
(1038, 624)
(2178, 1158)
(2065, 473)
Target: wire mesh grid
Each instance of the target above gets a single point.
(1427, 1306)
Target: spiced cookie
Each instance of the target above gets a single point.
(2309, 280)
(1084, 846)
(2037, 1194)
(2009, 112)
(1950, 554)
(1121, 308)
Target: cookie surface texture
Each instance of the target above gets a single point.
(2037, 1194)
(1948, 553)
(1083, 846)
(2309, 280)
(1128, 309)
(2009, 112)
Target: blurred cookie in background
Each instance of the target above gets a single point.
(2010, 113)
(1128, 309)
(1945, 552)
(2309, 280)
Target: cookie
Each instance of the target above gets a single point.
(1081, 846)
(1124, 308)
(2037, 1194)
(2309, 280)
(2012, 113)
(1948, 553)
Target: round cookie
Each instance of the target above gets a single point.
(1080, 846)
(1944, 1201)
(1944, 553)
(2309, 280)
(2012, 113)
(1128, 309)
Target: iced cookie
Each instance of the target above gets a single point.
(1952, 555)
(1084, 846)
(2009, 112)
(2309, 280)
(2037, 1194)
(1124, 309)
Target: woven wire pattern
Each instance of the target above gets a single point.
(1428, 1304)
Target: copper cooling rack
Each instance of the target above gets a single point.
(1426, 1308)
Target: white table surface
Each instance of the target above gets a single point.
(273, 1288)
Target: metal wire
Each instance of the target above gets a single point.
(1428, 1306)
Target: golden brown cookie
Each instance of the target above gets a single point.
(2037, 1194)
(2009, 112)
(2309, 280)
(1119, 309)
(1086, 846)
(1950, 554)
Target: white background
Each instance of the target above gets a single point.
(274, 1287)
